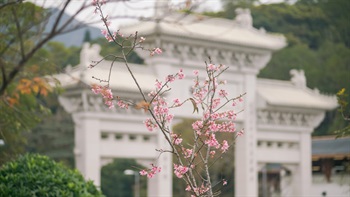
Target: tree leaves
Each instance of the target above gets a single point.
(142, 105)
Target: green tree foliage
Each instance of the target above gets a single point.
(300, 23)
(36, 175)
(56, 56)
(318, 35)
(87, 36)
(114, 183)
(17, 35)
(314, 46)
(54, 135)
(20, 110)
(23, 63)
(337, 13)
(109, 48)
(344, 110)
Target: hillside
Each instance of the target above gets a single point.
(73, 38)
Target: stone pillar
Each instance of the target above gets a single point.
(246, 176)
(87, 146)
(285, 183)
(303, 182)
(161, 184)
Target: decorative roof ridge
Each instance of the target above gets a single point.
(293, 84)
(327, 96)
(242, 22)
(279, 82)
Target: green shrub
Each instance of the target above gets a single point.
(37, 175)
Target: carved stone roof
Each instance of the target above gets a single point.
(237, 32)
(288, 94)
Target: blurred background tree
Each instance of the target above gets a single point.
(24, 61)
(318, 35)
(115, 183)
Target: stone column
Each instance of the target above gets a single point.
(246, 180)
(162, 183)
(87, 146)
(304, 174)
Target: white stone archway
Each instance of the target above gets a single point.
(278, 119)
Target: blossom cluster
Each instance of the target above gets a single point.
(159, 106)
(156, 51)
(180, 170)
(108, 37)
(106, 93)
(198, 190)
(151, 172)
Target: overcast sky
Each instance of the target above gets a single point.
(135, 8)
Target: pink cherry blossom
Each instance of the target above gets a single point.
(149, 124)
(158, 51)
(122, 104)
(223, 93)
(178, 141)
(142, 39)
(104, 32)
(143, 172)
(197, 125)
(231, 115)
(106, 93)
(169, 117)
(96, 88)
(150, 172)
(211, 67)
(224, 146)
(213, 126)
(180, 74)
(228, 126)
(180, 170)
(240, 133)
(211, 141)
(155, 169)
(158, 84)
(176, 102)
(216, 103)
(212, 153)
(187, 152)
(109, 103)
(170, 78)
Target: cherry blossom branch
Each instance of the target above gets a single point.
(193, 160)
